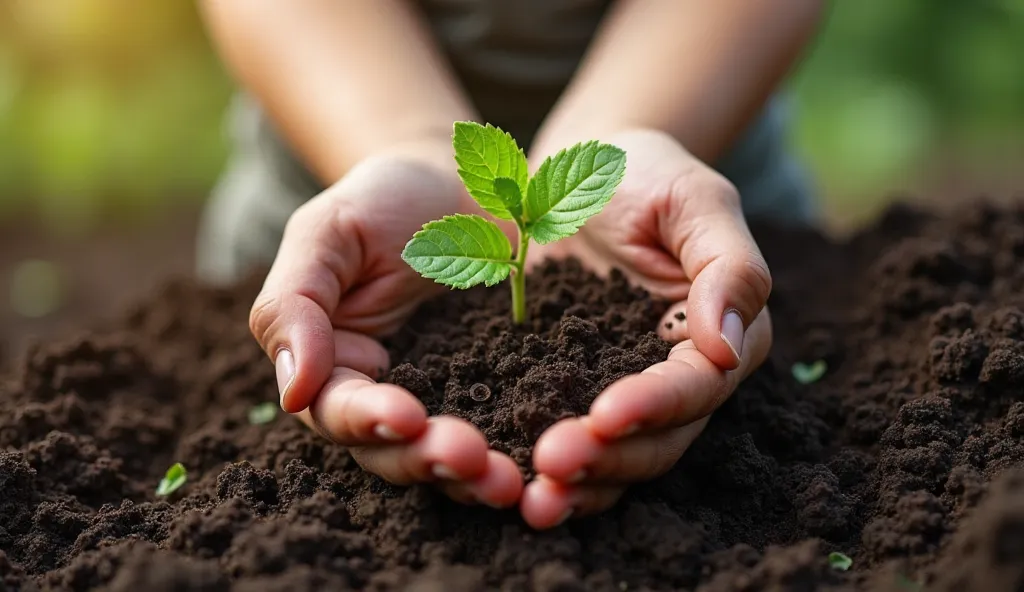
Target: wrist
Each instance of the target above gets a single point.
(434, 153)
(433, 149)
(551, 139)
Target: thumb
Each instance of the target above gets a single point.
(291, 317)
(730, 278)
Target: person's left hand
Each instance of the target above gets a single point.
(675, 227)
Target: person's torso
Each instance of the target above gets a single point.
(514, 57)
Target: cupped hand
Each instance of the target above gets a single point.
(676, 227)
(338, 281)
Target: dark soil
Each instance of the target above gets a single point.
(908, 455)
(462, 355)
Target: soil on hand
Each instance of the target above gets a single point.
(908, 455)
(463, 356)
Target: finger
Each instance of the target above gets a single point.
(450, 449)
(360, 353)
(731, 281)
(642, 457)
(291, 316)
(500, 487)
(569, 452)
(353, 410)
(565, 450)
(361, 310)
(682, 389)
(547, 503)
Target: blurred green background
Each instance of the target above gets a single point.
(111, 109)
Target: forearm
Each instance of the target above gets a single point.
(699, 70)
(341, 79)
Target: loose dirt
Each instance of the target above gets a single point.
(908, 455)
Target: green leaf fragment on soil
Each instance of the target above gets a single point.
(839, 561)
(460, 251)
(808, 373)
(571, 187)
(263, 413)
(173, 480)
(485, 153)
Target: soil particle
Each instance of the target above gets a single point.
(907, 455)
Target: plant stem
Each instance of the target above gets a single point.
(519, 278)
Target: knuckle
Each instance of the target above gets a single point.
(708, 187)
(723, 190)
(262, 317)
(756, 274)
(318, 219)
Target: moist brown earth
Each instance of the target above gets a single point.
(908, 455)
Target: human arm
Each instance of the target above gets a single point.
(342, 79)
(698, 70)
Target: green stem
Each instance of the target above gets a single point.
(519, 279)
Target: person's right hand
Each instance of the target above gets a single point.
(338, 280)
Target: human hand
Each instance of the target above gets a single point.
(337, 282)
(675, 227)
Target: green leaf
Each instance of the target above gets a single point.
(485, 153)
(508, 192)
(263, 413)
(839, 561)
(570, 187)
(808, 373)
(173, 480)
(460, 251)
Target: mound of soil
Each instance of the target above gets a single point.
(462, 355)
(908, 455)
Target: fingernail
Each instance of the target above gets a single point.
(284, 365)
(443, 472)
(630, 430)
(385, 433)
(565, 516)
(732, 332)
(577, 476)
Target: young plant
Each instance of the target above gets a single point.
(462, 251)
(263, 413)
(839, 561)
(173, 480)
(809, 373)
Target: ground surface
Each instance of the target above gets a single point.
(908, 454)
(100, 272)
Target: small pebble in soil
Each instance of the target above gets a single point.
(479, 392)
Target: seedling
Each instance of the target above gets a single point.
(263, 413)
(462, 251)
(173, 480)
(808, 373)
(839, 561)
